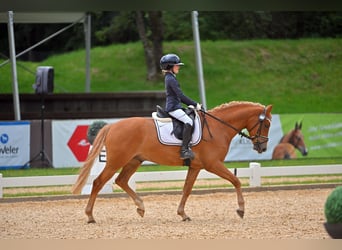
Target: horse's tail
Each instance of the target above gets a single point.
(94, 152)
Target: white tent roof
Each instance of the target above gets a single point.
(43, 17)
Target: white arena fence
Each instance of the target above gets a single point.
(255, 172)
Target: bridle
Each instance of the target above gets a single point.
(257, 143)
(257, 139)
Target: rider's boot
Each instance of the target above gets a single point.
(186, 152)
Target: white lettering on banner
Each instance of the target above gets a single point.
(328, 145)
(325, 140)
(325, 136)
(325, 127)
(14, 144)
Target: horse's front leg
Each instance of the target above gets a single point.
(189, 183)
(220, 170)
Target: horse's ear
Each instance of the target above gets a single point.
(300, 125)
(269, 108)
(296, 126)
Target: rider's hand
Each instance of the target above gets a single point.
(199, 106)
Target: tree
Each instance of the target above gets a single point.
(150, 30)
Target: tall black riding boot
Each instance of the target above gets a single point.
(186, 152)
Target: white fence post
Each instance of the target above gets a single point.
(0, 185)
(255, 177)
(254, 172)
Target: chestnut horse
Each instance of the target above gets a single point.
(133, 140)
(286, 149)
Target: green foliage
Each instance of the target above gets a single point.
(296, 76)
(333, 206)
(94, 129)
(122, 29)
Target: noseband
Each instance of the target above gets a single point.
(259, 139)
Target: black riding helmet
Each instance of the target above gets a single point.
(169, 60)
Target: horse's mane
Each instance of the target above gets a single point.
(235, 103)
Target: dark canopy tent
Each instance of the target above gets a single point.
(43, 17)
(77, 17)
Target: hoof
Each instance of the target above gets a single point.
(186, 219)
(91, 221)
(241, 213)
(140, 212)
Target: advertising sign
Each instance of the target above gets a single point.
(70, 142)
(322, 133)
(14, 144)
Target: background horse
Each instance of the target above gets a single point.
(286, 149)
(133, 140)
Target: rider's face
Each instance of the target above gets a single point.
(175, 69)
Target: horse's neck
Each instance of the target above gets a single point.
(236, 116)
(287, 137)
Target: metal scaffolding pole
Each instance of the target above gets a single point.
(14, 67)
(201, 84)
(87, 30)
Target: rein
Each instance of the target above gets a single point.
(226, 124)
(258, 135)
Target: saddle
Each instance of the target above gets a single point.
(162, 116)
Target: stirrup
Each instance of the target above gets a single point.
(187, 154)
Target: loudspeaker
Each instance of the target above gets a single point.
(44, 80)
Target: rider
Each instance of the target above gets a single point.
(170, 64)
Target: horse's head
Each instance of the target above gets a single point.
(256, 118)
(296, 138)
(258, 127)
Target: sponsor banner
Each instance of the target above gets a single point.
(322, 136)
(322, 133)
(14, 144)
(241, 148)
(70, 145)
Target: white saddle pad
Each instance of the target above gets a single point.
(166, 137)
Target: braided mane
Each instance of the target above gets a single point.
(235, 103)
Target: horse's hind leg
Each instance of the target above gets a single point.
(122, 180)
(98, 184)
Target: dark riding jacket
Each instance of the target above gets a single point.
(174, 94)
